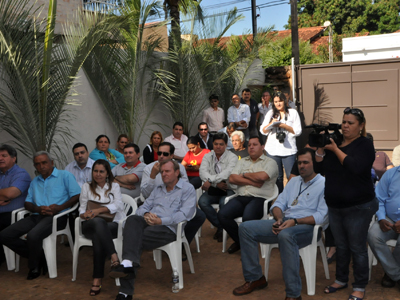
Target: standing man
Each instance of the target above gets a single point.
(49, 193)
(179, 140)
(215, 170)
(263, 108)
(214, 116)
(295, 214)
(129, 174)
(206, 139)
(239, 114)
(154, 224)
(254, 112)
(152, 178)
(81, 167)
(255, 177)
(14, 184)
(388, 227)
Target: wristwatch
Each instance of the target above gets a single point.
(243, 174)
(295, 222)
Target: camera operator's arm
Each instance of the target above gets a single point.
(319, 155)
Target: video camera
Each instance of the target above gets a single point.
(316, 139)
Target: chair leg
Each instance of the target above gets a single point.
(324, 259)
(10, 258)
(309, 257)
(75, 256)
(16, 262)
(49, 247)
(224, 239)
(157, 258)
(196, 238)
(267, 254)
(189, 256)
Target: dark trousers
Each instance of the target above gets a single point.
(138, 235)
(350, 228)
(37, 228)
(194, 224)
(102, 234)
(247, 207)
(5, 221)
(195, 181)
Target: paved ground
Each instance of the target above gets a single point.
(217, 274)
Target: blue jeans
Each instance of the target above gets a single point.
(205, 202)
(390, 260)
(350, 228)
(286, 162)
(290, 240)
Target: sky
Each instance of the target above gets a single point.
(272, 12)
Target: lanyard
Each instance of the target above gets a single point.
(295, 201)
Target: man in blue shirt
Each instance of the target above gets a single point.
(14, 184)
(49, 193)
(154, 224)
(240, 114)
(388, 226)
(298, 208)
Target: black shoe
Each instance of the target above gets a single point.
(387, 281)
(218, 235)
(120, 271)
(33, 273)
(233, 248)
(123, 297)
(331, 259)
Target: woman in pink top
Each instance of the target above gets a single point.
(192, 160)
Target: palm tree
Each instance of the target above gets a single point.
(126, 74)
(38, 69)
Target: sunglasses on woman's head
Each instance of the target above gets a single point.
(159, 153)
(354, 111)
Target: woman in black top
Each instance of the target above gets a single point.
(350, 196)
(150, 151)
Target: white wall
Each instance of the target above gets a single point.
(371, 47)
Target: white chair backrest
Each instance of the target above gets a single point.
(128, 203)
(268, 200)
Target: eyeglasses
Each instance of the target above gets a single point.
(159, 153)
(203, 129)
(354, 111)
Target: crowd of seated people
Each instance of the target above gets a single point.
(327, 184)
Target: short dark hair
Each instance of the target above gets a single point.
(193, 140)
(235, 95)
(101, 136)
(258, 138)
(134, 146)
(305, 151)
(246, 90)
(171, 147)
(213, 96)
(78, 145)
(220, 136)
(177, 123)
(122, 136)
(202, 123)
(10, 150)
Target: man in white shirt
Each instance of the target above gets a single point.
(129, 174)
(239, 114)
(81, 167)
(214, 116)
(178, 139)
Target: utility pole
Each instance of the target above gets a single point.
(295, 32)
(254, 17)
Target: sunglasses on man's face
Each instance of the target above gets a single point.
(159, 153)
(203, 129)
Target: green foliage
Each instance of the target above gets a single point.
(38, 75)
(279, 53)
(381, 16)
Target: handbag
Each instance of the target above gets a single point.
(108, 217)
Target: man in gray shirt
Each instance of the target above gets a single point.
(155, 223)
(129, 174)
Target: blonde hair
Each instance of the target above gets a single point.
(153, 134)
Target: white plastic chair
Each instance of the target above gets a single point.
(50, 243)
(81, 240)
(9, 254)
(240, 220)
(174, 251)
(309, 257)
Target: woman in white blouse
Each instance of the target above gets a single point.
(282, 125)
(105, 191)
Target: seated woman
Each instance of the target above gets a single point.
(192, 160)
(122, 141)
(150, 151)
(102, 190)
(103, 151)
(238, 140)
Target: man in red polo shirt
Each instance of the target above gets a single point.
(129, 174)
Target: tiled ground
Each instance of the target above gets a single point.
(217, 274)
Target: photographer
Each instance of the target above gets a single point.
(281, 143)
(350, 197)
